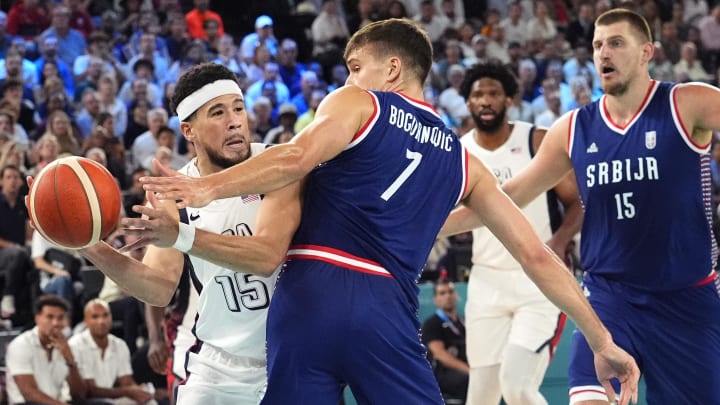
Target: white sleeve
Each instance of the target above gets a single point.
(18, 358)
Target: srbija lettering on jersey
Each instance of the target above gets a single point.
(385, 197)
(646, 191)
(506, 162)
(232, 307)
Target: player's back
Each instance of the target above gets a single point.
(385, 197)
(646, 191)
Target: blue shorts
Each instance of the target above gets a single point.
(674, 337)
(329, 326)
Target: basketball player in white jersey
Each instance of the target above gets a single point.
(512, 327)
(227, 364)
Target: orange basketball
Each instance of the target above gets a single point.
(74, 202)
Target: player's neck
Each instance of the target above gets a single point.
(205, 167)
(622, 108)
(101, 341)
(493, 140)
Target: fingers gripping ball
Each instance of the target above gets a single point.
(74, 202)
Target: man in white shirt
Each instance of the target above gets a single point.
(104, 359)
(40, 361)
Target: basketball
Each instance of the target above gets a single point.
(74, 202)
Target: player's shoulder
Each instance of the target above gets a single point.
(693, 91)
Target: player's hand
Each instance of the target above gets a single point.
(613, 362)
(158, 354)
(156, 226)
(187, 191)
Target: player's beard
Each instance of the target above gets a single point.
(217, 159)
(492, 125)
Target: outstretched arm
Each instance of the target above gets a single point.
(548, 272)
(330, 132)
(549, 166)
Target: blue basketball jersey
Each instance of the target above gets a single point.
(378, 206)
(646, 192)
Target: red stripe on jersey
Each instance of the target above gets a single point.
(369, 120)
(558, 334)
(337, 257)
(707, 280)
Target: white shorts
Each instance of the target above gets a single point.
(506, 307)
(217, 377)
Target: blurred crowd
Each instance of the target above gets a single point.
(94, 78)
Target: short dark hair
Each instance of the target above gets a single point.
(197, 77)
(12, 83)
(143, 63)
(636, 21)
(396, 37)
(9, 167)
(51, 300)
(495, 71)
(165, 128)
(438, 283)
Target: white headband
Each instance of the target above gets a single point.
(218, 88)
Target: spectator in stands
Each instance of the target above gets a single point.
(515, 28)
(541, 25)
(497, 44)
(107, 88)
(177, 36)
(581, 65)
(552, 109)
(8, 125)
(290, 68)
(287, 117)
(5, 38)
(196, 17)
(148, 51)
(396, 9)
(329, 33)
(146, 144)
(59, 125)
(13, 153)
(194, 53)
(709, 27)
(143, 81)
(671, 41)
(263, 35)
(211, 34)
(453, 11)
(444, 335)
(27, 19)
(270, 78)
(137, 122)
(48, 47)
(479, 43)
(80, 19)
(40, 361)
(308, 83)
(49, 76)
(48, 149)
(15, 66)
(98, 52)
(582, 28)
(304, 119)
(103, 359)
(167, 138)
(689, 68)
(660, 66)
(13, 98)
(15, 234)
(338, 77)
(71, 42)
(225, 54)
(450, 99)
(55, 100)
(85, 119)
(434, 24)
(262, 108)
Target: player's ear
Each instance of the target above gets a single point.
(186, 129)
(648, 50)
(394, 68)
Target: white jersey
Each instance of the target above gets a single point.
(232, 307)
(506, 162)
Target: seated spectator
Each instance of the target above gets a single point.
(142, 85)
(304, 119)
(59, 125)
(134, 195)
(138, 122)
(287, 117)
(71, 42)
(196, 17)
(49, 54)
(146, 144)
(27, 19)
(15, 233)
(193, 54)
(271, 79)
(264, 35)
(689, 68)
(166, 151)
(17, 66)
(107, 88)
(59, 268)
(40, 362)
(8, 125)
(308, 82)
(290, 68)
(48, 149)
(89, 113)
(329, 34)
(104, 359)
(444, 335)
(14, 99)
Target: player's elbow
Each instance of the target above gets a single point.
(296, 161)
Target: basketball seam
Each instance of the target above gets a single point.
(92, 199)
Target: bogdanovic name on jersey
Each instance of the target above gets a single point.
(627, 170)
(440, 138)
